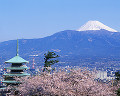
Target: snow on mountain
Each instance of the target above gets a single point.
(95, 25)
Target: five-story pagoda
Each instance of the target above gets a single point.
(17, 69)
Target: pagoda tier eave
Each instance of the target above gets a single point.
(10, 81)
(23, 74)
(17, 68)
(16, 62)
(3, 88)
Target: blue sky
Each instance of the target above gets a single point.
(40, 18)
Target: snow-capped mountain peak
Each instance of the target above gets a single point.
(95, 25)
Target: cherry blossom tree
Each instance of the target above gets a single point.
(74, 82)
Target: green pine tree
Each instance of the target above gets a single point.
(117, 75)
(50, 59)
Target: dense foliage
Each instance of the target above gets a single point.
(117, 75)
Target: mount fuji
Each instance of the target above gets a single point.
(91, 39)
(95, 25)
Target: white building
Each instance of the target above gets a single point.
(103, 75)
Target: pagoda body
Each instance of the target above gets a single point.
(17, 69)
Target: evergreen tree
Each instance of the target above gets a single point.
(117, 75)
(50, 59)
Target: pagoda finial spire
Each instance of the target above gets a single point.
(17, 48)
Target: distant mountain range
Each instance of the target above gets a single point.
(92, 39)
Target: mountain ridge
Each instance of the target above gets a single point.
(68, 39)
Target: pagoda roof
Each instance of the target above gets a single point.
(17, 59)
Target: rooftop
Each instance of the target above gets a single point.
(17, 59)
